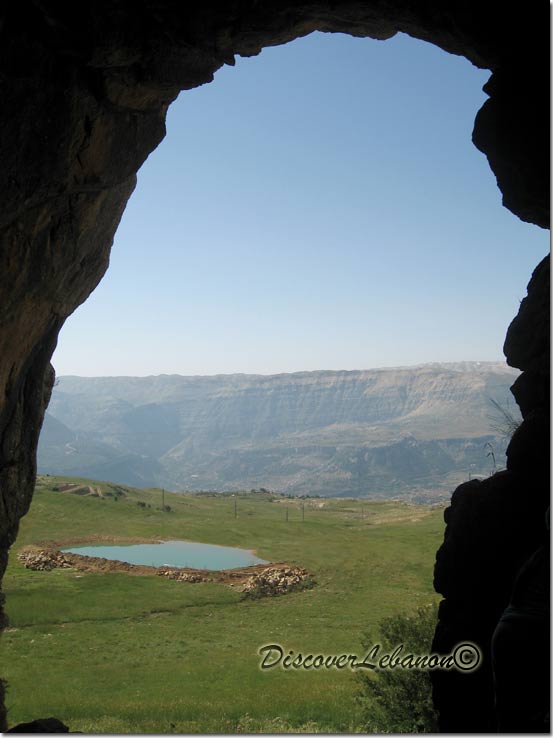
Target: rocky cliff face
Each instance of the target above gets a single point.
(386, 431)
(85, 89)
(492, 527)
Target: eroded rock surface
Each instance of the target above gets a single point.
(41, 725)
(492, 527)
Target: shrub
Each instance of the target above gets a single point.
(503, 421)
(400, 700)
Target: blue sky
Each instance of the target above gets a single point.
(319, 206)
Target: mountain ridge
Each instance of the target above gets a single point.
(322, 431)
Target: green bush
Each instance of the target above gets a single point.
(400, 700)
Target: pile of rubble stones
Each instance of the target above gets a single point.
(181, 576)
(276, 581)
(271, 581)
(44, 560)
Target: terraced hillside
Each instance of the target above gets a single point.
(415, 430)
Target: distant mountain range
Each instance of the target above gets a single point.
(396, 432)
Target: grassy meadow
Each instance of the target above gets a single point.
(116, 653)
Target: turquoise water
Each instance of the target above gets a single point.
(173, 553)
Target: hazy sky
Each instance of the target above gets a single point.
(320, 206)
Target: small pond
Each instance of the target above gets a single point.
(173, 553)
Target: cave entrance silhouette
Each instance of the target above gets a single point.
(115, 93)
(164, 185)
(294, 241)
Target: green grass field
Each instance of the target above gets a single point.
(119, 653)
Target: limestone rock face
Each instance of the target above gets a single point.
(493, 527)
(387, 431)
(85, 90)
(527, 343)
(513, 150)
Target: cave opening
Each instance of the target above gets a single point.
(325, 189)
(312, 208)
(31, 401)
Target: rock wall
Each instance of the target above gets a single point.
(85, 90)
(492, 527)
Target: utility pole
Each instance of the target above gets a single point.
(303, 510)
(286, 513)
(491, 453)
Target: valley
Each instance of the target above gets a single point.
(413, 432)
(110, 652)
